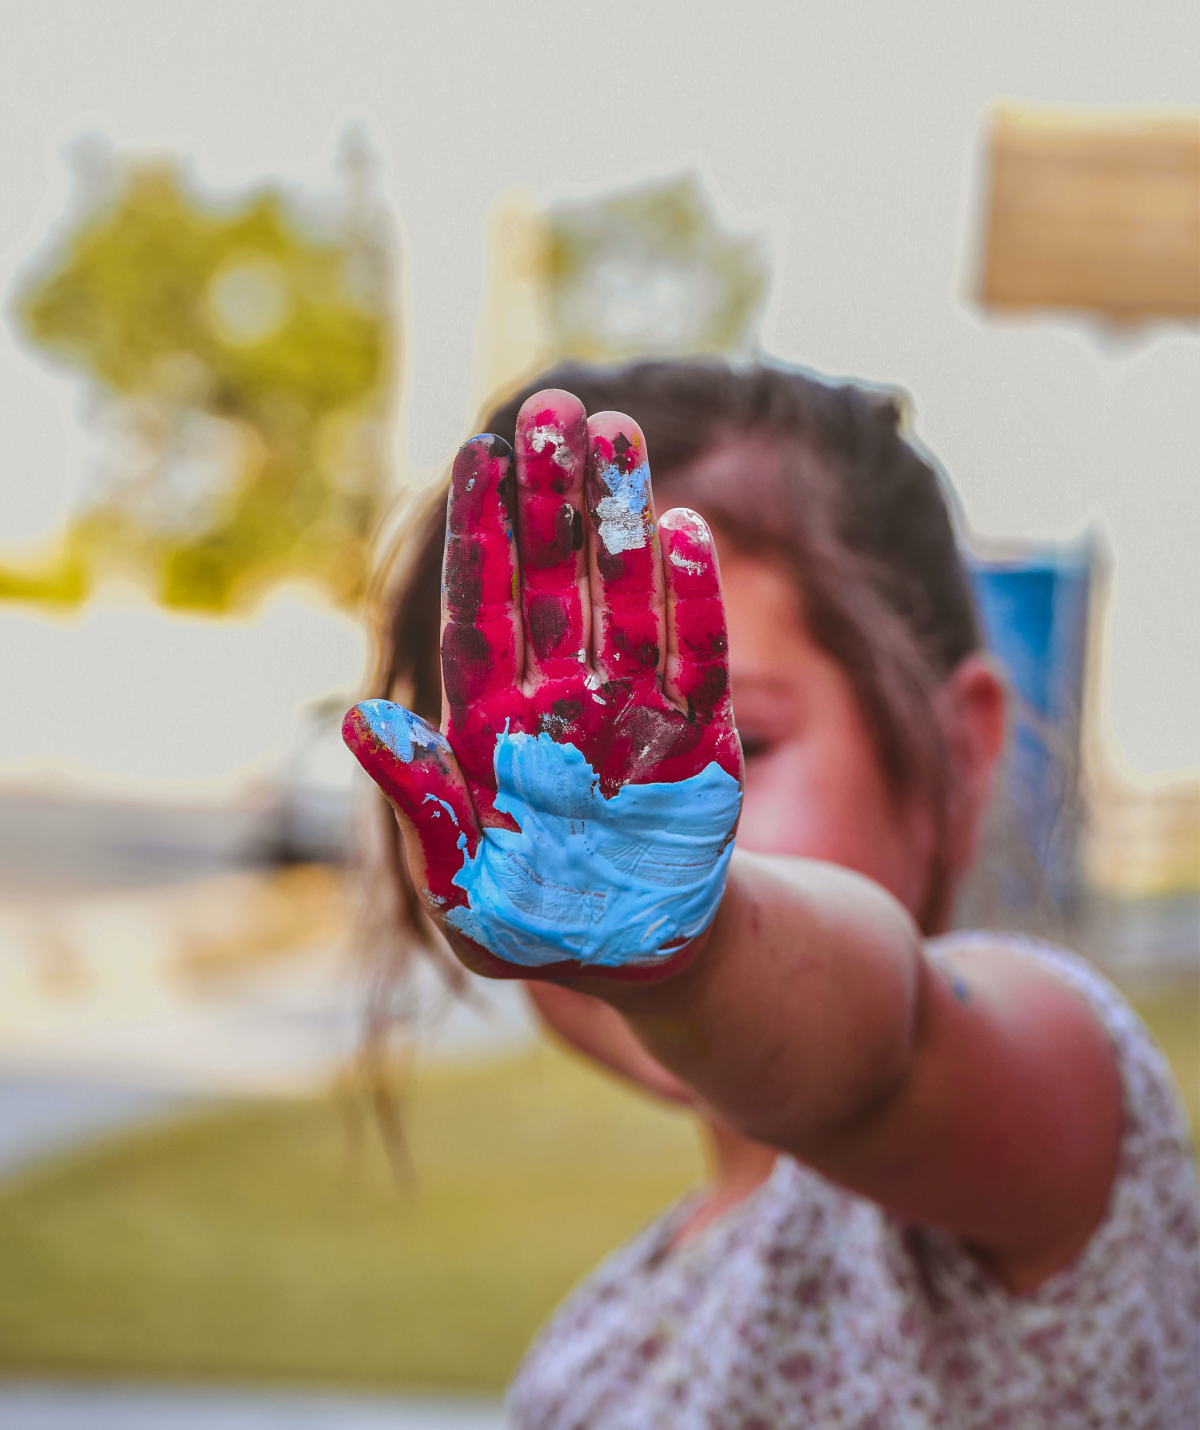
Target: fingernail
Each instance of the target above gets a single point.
(488, 442)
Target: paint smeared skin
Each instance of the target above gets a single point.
(612, 881)
(697, 669)
(551, 449)
(482, 642)
(626, 568)
(588, 645)
(413, 765)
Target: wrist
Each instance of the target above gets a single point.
(657, 988)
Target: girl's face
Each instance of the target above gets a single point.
(814, 786)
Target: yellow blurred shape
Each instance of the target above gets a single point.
(1096, 210)
(1144, 841)
(249, 300)
(290, 909)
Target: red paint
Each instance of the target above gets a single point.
(516, 638)
(482, 646)
(482, 641)
(551, 451)
(628, 637)
(698, 655)
(420, 788)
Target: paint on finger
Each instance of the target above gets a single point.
(626, 638)
(697, 665)
(413, 765)
(551, 439)
(551, 442)
(618, 497)
(606, 882)
(481, 648)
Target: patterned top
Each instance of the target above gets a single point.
(807, 1305)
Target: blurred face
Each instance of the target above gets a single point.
(814, 786)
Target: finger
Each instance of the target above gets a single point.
(625, 569)
(551, 456)
(697, 667)
(482, 646)
(413, 765)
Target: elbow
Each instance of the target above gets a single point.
(870, 1054)
(878, 1078)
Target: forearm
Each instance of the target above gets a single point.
(795, 1018)
(600, 1032)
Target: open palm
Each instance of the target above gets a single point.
(588, 774)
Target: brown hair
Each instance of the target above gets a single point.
(836, 495)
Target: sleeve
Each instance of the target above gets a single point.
(1129, 1304)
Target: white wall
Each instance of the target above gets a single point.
(854, 122)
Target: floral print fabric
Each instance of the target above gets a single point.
(809, 1306)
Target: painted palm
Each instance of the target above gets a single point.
(580, 804)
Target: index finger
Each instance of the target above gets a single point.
(482, 646)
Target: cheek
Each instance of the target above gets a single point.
(828, 802)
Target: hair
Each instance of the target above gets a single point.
(836, 497)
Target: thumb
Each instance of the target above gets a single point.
(413, 765)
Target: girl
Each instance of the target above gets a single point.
(952, 1185)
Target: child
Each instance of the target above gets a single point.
(952, 1185)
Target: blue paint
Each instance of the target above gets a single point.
(434, 799)
(400, 731)
(619, 516)
(604, 881)
(1035, 616)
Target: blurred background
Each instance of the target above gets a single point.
(261, 267)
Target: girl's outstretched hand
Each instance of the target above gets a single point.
(577, 811)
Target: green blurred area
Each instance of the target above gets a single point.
(1172, 1014)
(239, 359)
(272, 1243)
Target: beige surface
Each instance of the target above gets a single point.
(1097, 211)
(236, 983)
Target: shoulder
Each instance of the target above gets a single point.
(1153, 1111)
(1147, 1246)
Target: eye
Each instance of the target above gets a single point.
(754, 744)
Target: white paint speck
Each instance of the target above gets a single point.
(687, 517)
(694, 568)
(539, 437)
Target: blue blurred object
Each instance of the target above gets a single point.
(1034, 612)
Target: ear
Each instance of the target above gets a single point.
(971, 708)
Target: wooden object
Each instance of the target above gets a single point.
(1094, 210)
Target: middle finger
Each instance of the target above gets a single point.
(551, 445)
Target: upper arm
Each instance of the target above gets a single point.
(1006, 1127)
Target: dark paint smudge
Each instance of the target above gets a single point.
(466, 663)
(548, 624)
